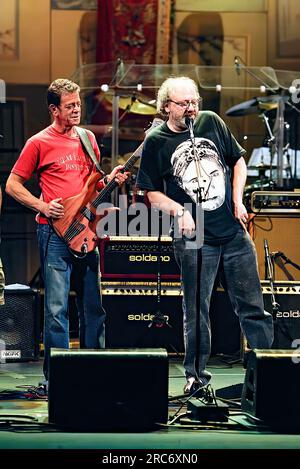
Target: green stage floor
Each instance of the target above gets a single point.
(18, 430)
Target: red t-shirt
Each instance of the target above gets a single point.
(60, 162)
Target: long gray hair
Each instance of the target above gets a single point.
(163, 94)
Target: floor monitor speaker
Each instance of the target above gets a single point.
(108, 390)
(272, 387)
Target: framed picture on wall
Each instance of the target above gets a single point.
(283, 34)
(74, 4)
(288, 19)
(9, 33)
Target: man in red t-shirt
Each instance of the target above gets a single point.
(63, 168)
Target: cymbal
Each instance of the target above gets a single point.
(136, 105)
(254, 106)
(261, 167)
(267, 106)
(243, 109)
(257, 185)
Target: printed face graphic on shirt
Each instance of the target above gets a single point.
(206, 173)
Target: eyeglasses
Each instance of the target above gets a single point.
(186, 104)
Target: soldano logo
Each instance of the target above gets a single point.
(148, 258)
(292, 313)
(144, 317)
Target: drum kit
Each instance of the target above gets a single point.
(263, 168)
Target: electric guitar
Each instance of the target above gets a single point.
(78, 225)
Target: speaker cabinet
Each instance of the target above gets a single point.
(130, 320)
(20, 325)
(287, 322)
(272, 386)
(282, 234)
(108, 389)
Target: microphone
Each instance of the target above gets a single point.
(268, 260)
(277, 254)
(237, 66)
(189, 122)
(119, 67)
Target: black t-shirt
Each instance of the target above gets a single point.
(168, 165)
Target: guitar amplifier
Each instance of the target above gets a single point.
(137, 258)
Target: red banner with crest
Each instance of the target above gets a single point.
(136, 30)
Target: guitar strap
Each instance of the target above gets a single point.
(86, 143)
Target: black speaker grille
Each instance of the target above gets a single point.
(19, 323)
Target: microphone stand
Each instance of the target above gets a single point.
(279, 326)
(159, 319)
(281, 255)
(270, 277)
(199, 199)
(240, 64)
(199, 191)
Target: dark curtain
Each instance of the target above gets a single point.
(105, 31)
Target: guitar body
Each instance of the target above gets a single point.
(79, 232)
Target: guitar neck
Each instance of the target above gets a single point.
(108, 189)
(102, 196)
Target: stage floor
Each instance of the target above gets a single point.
(24, 423)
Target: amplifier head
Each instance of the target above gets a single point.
(137, 258)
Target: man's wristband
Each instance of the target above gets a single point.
(105, 179)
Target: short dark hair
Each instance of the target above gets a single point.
(58, 87)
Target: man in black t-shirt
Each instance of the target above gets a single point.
(192, 164)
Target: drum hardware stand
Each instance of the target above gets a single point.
(271, 145)
(279, 125)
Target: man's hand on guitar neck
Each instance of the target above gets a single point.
(118, 175)
(53, 209)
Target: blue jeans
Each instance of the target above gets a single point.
(57, 264)
(237, 262)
